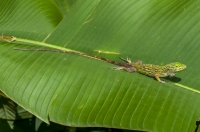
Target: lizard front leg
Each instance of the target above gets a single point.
(157, 78)
(171, 74)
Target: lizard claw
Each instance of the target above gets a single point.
(128, 60)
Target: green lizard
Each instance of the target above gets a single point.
(153, 70)
(146, 69)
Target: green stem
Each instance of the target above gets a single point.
(43, 44)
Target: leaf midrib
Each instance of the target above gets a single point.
(37, 43)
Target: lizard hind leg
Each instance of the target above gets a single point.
(130, 69)
(127, 60)
(117, 68)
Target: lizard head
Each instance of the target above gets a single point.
(175, 66)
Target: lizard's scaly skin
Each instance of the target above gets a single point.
(154, 70)
(162, 71)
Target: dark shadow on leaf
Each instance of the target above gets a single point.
(173, 79)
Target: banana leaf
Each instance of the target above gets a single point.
(80, 91)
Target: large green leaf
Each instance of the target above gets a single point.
(79, 91)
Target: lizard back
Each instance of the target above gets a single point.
(151, 70)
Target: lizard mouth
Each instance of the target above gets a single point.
(184, 67)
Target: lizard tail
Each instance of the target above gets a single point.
(78, 53)
(98, 58)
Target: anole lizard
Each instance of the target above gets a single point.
(153, 70)
(146, 69)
